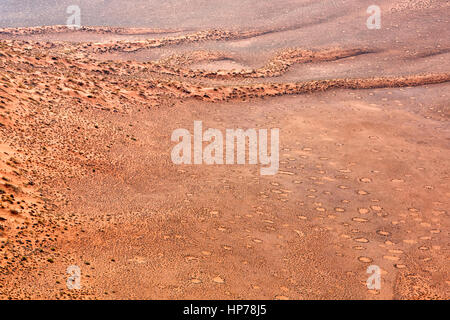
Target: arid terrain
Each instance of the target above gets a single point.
(86, 176)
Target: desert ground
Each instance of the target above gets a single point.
(86, 117)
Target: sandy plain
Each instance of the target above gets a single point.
(87, 179)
